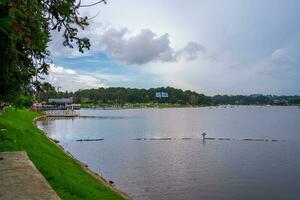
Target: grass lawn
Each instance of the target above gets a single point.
(65, 175)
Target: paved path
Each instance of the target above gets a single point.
(20, 180)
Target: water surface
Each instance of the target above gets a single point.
(189, 169)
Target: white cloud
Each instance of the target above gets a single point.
(144, 47)
(137, 49)
(141, 48)
(279, 63)
(72, 80)
(60, 70)
(279, 54)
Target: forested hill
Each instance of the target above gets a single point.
(121, 96)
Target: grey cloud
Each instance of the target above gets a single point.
(280, 57)
(119, 44)
(138, 49)
(144, 47)
(191, 50)
(278, 64)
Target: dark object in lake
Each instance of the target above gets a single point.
(274, 140)
(89, 140)
(259, 140)
(256, 140)
(186, 138)
(111, 182)
(160, 138)
(203, 135)
(223, 138)
(210, 138)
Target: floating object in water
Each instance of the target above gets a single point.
(89, 140)
(140, 139)
(224, 139)
(258, 140)
(210, 138)
(185, 138)
(160, 138)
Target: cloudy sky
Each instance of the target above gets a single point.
(209, 46)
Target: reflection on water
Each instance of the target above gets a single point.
(189, 168)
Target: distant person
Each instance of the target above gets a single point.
(203, 135)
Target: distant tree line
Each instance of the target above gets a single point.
(121, 96)
(256, 99)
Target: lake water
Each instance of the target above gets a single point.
(189, 169)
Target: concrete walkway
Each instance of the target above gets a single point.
(19, 179)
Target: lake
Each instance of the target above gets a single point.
(159, 153)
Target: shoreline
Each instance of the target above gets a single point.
(169, 107)
(66, 175)
(83, 165)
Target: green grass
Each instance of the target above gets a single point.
(65, 175)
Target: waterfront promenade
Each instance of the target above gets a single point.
(21, 180)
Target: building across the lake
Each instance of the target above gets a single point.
(61, 101)
(57, 104)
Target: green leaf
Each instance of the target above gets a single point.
(5, 22)
(2, 2)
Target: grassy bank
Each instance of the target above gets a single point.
(66, 176)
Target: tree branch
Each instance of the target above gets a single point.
(89, 5)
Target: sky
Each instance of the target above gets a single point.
(208, 46)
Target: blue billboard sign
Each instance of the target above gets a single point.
(164, 94)
(161, 94)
